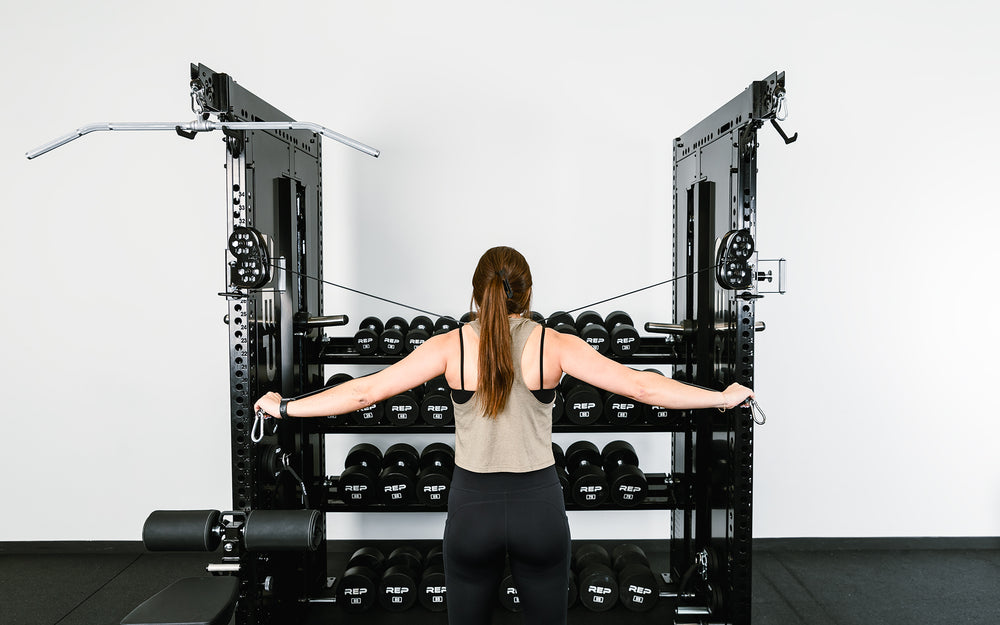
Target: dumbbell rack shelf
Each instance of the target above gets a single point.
(340, 350)
(665, 492)
(325, 427)
(324, 610)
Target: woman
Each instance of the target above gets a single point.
(505, 498)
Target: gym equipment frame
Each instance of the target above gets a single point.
(274, 269)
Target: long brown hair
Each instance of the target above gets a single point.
(495, 301)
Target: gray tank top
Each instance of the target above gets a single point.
(520, 438)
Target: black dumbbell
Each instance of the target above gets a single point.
(398, 588)
(509, 595)
(624, 337)
(509, 598)
(559, 318)
(432, 591)
(638, 588)
(588, 484)
(390, 341)
(403, 409)
(399, 474)
(359, 585)
(421, 329)
(468, 317)
(369, 415)
(366, 338)
(359, 483)
(591, 329)
(583, 403)
(336, 380)
(560, 459)
(536, 316)
(437, 463)
(436, 408)
(558, 407)
(445, 324)
(626, 483)
(598, 588)
(621, 411)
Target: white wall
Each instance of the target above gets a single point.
(542, 125)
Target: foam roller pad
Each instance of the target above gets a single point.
(283, 530)
(181, 530)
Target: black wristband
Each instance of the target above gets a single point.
(283, 408)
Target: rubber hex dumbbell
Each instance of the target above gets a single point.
(591, 328)
(432, 592)
(588, 484)
(627, 484)
(620, 410)
(366, 338)
(390, 341)
(359, 585)
(398, 588)
(403, 409)
(359, 483)
(436, 407)
(421, 329)
(399, 474)
(598, 588)
(437, 463)
(624, 336)
(638, 588)
(583, 404)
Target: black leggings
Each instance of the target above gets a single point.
(491, 515)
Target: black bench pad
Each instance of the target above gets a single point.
(189, 601)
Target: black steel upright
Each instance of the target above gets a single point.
(715, 177)
(274, 188)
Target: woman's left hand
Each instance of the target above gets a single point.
(269, 404)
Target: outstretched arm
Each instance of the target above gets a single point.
(425, 362)
(582, 361)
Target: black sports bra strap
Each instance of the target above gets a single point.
(461, 356)
(541, 351)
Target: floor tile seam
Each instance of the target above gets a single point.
(99, 589)
(821, 605)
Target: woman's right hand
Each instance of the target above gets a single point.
(736, 394)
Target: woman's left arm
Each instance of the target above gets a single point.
(424, 363)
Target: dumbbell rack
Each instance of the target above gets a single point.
(274, 187)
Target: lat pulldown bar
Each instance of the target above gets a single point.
(202, 125)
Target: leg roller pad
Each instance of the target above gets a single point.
(189, 601)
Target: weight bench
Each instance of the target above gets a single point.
(212, 600)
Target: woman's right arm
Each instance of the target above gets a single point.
(583, 362)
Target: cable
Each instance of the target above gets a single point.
(434, 314)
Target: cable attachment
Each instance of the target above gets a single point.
(286, 463)
(257, 432)
(755, 409)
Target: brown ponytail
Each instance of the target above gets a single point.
(501, 286)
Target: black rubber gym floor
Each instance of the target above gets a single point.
(796, 581)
